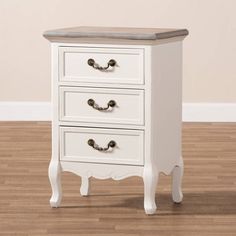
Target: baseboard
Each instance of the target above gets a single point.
(25, 111)
(192, 112)
(209, 112)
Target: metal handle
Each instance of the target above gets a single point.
(92, 103)
(92, 143)
(92, 63)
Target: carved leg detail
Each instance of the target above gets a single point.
(54, 173)
(84, 189)
(150, 178)
(177, 175)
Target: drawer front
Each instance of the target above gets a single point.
(128, 109)
(73, 65)
(128, 149)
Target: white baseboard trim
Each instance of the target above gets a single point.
(25, 111)
(192, 112)
(209, 112)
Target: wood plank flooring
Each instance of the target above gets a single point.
(116, 207)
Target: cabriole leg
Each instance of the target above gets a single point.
(54, 173)
(177, 175)
(150, 178)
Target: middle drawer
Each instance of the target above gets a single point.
(99, 105)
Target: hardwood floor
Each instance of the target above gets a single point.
(116, 207)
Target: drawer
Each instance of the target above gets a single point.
(76, 104)
(76, 145)
(74, 67)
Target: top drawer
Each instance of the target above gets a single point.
(74, 67)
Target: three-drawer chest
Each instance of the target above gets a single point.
(117, 104)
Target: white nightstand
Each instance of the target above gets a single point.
(117, 102)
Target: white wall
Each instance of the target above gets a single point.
(209, 50)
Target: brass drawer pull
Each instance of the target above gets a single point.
(92, 63)
(92, 143)
(92, 103)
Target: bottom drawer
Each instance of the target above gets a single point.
(102, 145)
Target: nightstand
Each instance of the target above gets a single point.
(117, 104)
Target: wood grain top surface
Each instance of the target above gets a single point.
(115, 33)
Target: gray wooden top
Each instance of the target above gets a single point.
(114, 33)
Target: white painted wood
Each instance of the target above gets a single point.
(129, 107)
(41, 111)
(128, 150)
(162, 116)
(150, 174)
(73, 65)
(150, 178)
(145, 147)
(104, 171)
(84, 189)
(166, 105)
(177, 175)
(103, 85)
(105, 45)
(101, 125)
(54, 170)
(54, 173)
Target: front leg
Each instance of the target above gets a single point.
(84, 189)
(177, 175)
(150, 178)
(54, 173)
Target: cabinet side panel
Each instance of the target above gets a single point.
(166, 105)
